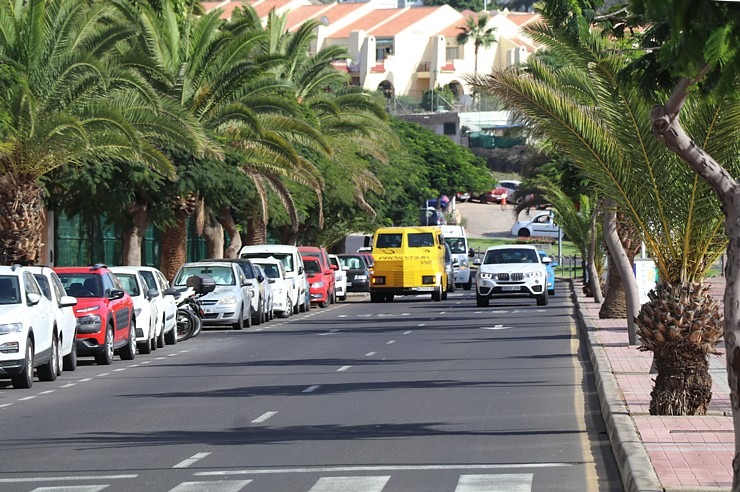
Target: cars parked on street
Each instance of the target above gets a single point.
(340, 277)
(511, 271)
(166, 305)
(358, 272)
(275, 273)
(541, 224)
(230, 303)
(29, 336)
(450, 268)
(327, 270)
(105, 312)
(266, 287)
(456, 237)
(317, 281)
(257, 283)
(66, 320)
(550, 267)
(294, 272)
(146, 311)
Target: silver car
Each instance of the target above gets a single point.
(230, 303)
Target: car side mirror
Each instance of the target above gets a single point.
(171, 291)
(300, 270)
(334, 267)
(33, 299)
(67, 301)
(151, 294)
(546, 260)
(116, 294)
(260, 278)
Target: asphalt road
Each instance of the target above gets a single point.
(412, 395)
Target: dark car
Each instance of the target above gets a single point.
(358, 272)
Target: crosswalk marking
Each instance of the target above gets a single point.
(217, 486)
(519, 482)
(350, 484)
(72, 488)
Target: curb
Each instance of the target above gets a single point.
(635, 468)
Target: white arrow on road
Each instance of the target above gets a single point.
(496, 327)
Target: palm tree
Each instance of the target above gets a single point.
(602, 123)
(477, 29)
(72, 105)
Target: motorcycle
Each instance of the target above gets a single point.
(189, 311)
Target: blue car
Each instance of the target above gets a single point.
(550, 273)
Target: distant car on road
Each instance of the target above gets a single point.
(511, 271)
(541, 224)
(550, 267)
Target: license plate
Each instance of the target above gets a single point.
(424, 289)
(349, 283)
(510, 287)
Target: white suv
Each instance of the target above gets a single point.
(28, 332)
(511, 271)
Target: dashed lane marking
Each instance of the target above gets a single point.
(192, 460)
(264, 417)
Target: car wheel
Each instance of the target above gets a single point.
(437, 294)
(375, 297)
(170, 338)
(551, 292)
(288, 309)
(524, 232)
(542, 299)
(323, 304)
(70, 360)
(469, 284)
(160, 338)
(48, 371)
(239, 323)
(129, 351)
(481, 301)
(105, 358)
(257, 316)
(145, 347)
(389, 297)
(24, 380)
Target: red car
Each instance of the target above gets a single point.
(327, 270)
(318, 287)
(497, 195)
(105, 313)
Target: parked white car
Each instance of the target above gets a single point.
(275, 273)
(266, 287)
(300, 298)
(166, 300)
(29, 338)
(542, 224)
(66, 320)
(511, 270)
(340, 277)
(146, 311)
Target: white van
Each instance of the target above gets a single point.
(455, 237)
(294, 271)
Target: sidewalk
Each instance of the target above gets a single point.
(656, 453)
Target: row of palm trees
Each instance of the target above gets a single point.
(172, 112)
(582, 99)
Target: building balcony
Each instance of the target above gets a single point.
(379, 67)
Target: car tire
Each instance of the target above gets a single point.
(145, 347)
(551, 292)
(128, 352)
(542, 299)
(323, 304)
(437, 294)
(257, 316)
(376, 297)
(170, 338)
(70, 360)
(288, 309)
(524, 232)
(469, 284)
(161, 337)
(24, 380)
(48, 371)
(105, 358)
(389, 297)
(482, 301)
(239, 323)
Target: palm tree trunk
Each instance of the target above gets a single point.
(214, 234)
(235, 238)
(133, 235)
(174, 247)
(22, 212)
(623, 264)
(593, 276)
(257, 231)
(615, 302)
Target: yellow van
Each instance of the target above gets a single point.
(408, 261)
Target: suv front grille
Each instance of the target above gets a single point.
(510, 277)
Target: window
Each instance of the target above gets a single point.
(388, 241)
(450, 129)
(451, 53)
(383, 48)
(421, 240)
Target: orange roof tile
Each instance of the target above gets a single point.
(366, 23)
(264, 7)
(453, 29)
(522, 18)
(403, 20)
(298, 16)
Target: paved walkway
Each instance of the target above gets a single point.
(657, 453)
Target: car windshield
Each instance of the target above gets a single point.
(503, 256)
(285, 258)
(270, 269)
(388, 241)
(457, 245)
(312, 266)
(151, 282)
(352, 262)
(128, 281)
(222, 275)
(9, 291)
(82, 284)
(421, 240)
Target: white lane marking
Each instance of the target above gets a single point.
(477, 312)
(330, 332)
(134, 365)
(72, 488)
(119, 369)
(338, 469)
(264, 417)
(311, 389)
(184, 351)
(27, 398)
(504, 311)
(219, 486)
(172, 355)
(342, 316)
(193, 459)
(421, 324)
(390, 342)
(65, 479)
(370, 354)
(515, 482)
(443, 312)
(47, 392)
(84, 380)
(5, 405)
(495, 327)
(68, 385)
(350, 484)
(149, 362)
(343, 368)
(103, 374)
(409, 332)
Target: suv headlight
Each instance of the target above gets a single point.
(8, 328)
(227, 300)
(486, 275)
